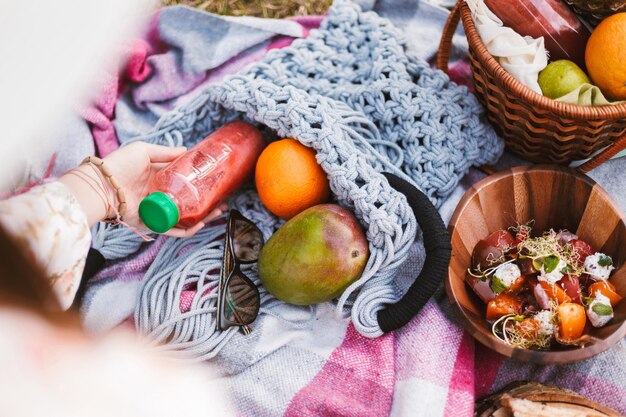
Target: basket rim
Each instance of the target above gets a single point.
(574, 111)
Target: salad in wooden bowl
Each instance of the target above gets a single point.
(537, 270)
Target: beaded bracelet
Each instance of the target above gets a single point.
(121, 198)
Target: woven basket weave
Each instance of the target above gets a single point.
(533, 126)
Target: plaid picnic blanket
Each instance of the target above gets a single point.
(324, 368)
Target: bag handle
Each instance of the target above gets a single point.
(438, 251)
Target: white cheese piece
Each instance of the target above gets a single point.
(545, 319)
(553, 276)
(507, 273)
(595, 270)
(598, 320)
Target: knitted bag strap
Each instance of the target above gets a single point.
(438, 251)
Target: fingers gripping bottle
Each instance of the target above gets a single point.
(186, 190)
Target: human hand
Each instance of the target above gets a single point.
(132, 166)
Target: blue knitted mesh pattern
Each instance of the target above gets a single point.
(361, 60)
(351, 92)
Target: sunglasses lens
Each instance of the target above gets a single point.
(247, 240)
(241, 301)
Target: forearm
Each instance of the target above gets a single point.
(84, 182)
(50, 224)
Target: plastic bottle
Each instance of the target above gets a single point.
(565, 36)
(186, 190)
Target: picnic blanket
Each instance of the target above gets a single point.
(320, 366)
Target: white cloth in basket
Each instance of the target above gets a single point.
(522, 56)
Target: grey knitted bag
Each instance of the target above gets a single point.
(351, 92)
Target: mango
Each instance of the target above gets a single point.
(315, 256)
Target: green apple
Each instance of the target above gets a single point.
(561, 77)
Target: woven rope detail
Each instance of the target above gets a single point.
(351, 92)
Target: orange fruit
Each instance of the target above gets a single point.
(605, 56)
(289, 179)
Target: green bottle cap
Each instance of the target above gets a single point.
(159, 212)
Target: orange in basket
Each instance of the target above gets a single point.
(605, 56)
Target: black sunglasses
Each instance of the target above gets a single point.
(238, 299)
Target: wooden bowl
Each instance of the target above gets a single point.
(554, 197)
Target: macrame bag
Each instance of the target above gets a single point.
(352, 93)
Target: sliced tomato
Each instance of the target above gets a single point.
(571, 285)
(583, 249)
(555, 292)
(517, 286)
(520, 236)
(572, 319)
(504, 304)
(502, 239)
(489, 250)
(607, 289)
(546, 294)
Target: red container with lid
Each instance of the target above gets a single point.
(565, 36)
(186, 190)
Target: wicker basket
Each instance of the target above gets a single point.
(533, 126)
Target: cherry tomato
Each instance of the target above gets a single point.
(571, 286)
(572, 319)
(502, 239)
(520, 236)
(504, 304)
(582, 249)
(488, 251)
(607, 289)
(485, 256)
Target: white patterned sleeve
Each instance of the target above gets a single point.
(52, 227)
